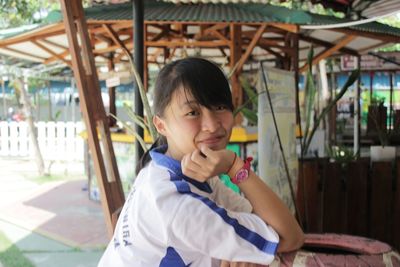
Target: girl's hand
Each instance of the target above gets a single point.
(205, 163)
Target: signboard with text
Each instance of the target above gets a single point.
(369, 62)
(281, 85)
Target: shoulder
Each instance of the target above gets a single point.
(155, 186)
(155, 180)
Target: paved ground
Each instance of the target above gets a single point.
(53, 223)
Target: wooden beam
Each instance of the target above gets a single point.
(97, 52)
(103, 38)
(372, 47)
(145, 60)
(269, 50)
(287, 58)
(66, 53)
(270, 44)
(35, 34)
(158, 36)
(326, 44)
(118, 57)
(293, 28)
(250, 47)
(222, 51)
(101, 51)
(99, 29)
(52, 53)
(235, 47)
(93, 112)
(328, 52)
(23, 53)
(63, 54)
(176, 43)
(219, 35)
(212, 31)
(206, 31)
(114, 37)
(53, 44)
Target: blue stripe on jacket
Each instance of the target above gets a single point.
(172, 259)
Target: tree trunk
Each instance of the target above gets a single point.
(27, 109)
(49, 95)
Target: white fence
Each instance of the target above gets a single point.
(57, 140)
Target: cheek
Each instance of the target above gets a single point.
(188, 127)
(227, 121)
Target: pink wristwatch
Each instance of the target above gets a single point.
(242, 174)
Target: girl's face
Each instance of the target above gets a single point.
(187, 125)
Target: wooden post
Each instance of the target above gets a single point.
(145, 60)
(235, 54)
(92, 107)
(111, 93)
(295, 68)
(357, 112)
(391, 124)
(138, 59)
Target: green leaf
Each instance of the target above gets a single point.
(250, 115)
(131, 130)
(58, 114)
(352, 78)
(310, 92)
(136, 119)
(249, 91)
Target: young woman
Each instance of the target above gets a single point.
(178, 212)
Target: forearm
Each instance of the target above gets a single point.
(268, 206)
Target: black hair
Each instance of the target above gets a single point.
(201, 78)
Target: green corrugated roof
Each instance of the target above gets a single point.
(373, 27)
(161, 11)
(250, 12)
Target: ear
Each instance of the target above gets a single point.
(160, 125)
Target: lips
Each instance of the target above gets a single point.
(212, 140)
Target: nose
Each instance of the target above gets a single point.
(210, 121)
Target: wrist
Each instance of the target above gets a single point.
(234, 156)
(237, 164)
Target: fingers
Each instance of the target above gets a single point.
(198, 157)
(204, 163)
(191, 169)
(207, 151)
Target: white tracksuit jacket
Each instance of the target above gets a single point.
(171, 220)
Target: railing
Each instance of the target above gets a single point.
(358, 198)
(57, 140)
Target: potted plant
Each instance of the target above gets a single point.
(312, 120)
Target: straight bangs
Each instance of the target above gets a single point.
(208, 85)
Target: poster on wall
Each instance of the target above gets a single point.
(281, 85)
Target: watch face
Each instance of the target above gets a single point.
(242, 175)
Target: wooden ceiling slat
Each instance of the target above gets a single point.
(54, 44)
(176, 43)
(34, 35)
(250, 48)
(23, 53)
(51, 52)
